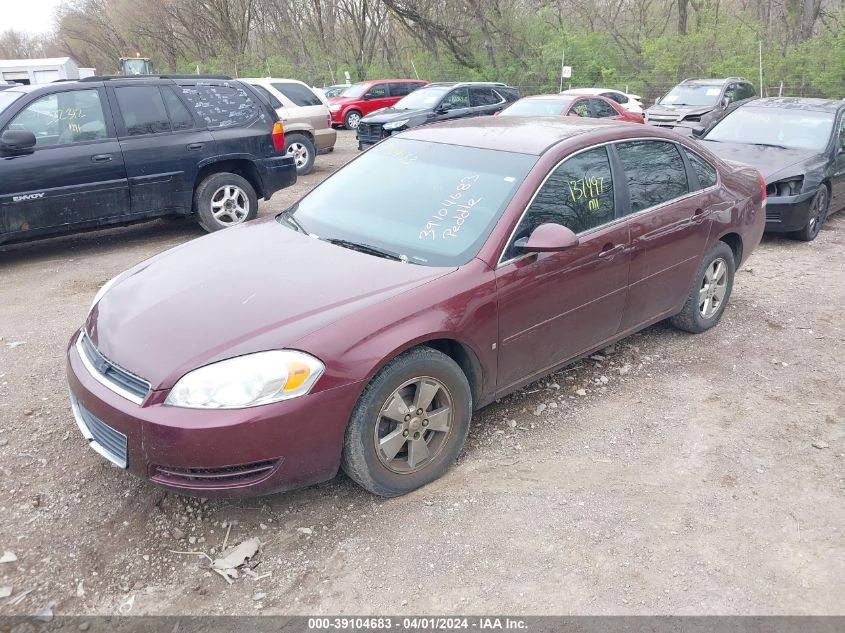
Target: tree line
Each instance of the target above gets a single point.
(644, 46)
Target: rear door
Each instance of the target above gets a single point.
(76, 173)
(670, 216)
(162, 145)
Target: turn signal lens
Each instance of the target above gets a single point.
(278, 136)
(297, 374)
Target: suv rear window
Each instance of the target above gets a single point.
(298, 93)
(221, 105)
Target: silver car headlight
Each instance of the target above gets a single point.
(102, 291)
(247, 381)
(395, 125)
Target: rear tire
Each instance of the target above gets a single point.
(818, 214)
(409, 425)
(710, 291)
(302, 150)
(223, 200)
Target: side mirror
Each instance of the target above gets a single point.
(548, 238)
(725, 102)
(444, 107)
(17, 142)
(698, 132)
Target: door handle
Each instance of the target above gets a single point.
(195, 146)
(698, 216)
(101, 158)
(609, 249)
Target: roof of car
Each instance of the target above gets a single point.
(714, 81)
(449, 84)
(797, 103)
(523, 135)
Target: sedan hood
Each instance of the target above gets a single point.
(769, 161)
(250, 288)
(387, 115)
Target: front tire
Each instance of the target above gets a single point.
(409, 425)
(710, 291)
(352, 119)
(817, 216)
(302, 150)
(223, 200)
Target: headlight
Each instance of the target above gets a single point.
(787, 187)
(247, 381)
(102, 291)
(334, 107)
(395, 125)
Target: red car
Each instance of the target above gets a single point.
(587, 106)
(467, 259)
(358, 100)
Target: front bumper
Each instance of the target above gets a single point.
(276, 173)
(785, 214)
(214, 453)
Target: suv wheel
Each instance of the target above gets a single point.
(352, 119)
(301, 149)
(223, 200)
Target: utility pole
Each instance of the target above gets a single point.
(761, 68)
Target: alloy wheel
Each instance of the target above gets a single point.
(713, 288)
(299, 153)
(353, 119)
(230, 205)
(414, 425)
(818, 212)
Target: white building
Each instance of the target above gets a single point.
(41, 71)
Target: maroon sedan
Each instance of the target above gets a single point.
(440, 270)
(585, 106)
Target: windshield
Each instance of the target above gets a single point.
(7, 97)
(793, 129)
(422, 98)
(537, 107)
(692, 95)
(428, 203)
(354, 91)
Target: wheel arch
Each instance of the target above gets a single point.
(242, 167)
(734, 241)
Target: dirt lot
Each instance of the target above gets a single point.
(685, 481)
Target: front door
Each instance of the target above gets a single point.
(454, 105)
(670, 216)
(555, 306)
(76, 174)
(837, 179)
(162, 146)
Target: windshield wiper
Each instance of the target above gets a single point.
(290, 219)
(366, 248)
(770, 145)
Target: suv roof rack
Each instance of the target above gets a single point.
(722, 80)
(117, 77)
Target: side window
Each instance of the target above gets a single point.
(180, 117)
(63, 117)
(618, 97)
(221, 105)
(602, 109)
(142, 108)
(732, 93)
(655, 172)
(299, 94)
(377, 92)
(274, 102)
(483, 97)
(581, 108)
(746, 91)
(399, 89)
(414, 86)
(458, 98)
(705, 171)
(578, 194)
(840, 143)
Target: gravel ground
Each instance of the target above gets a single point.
(695, 475)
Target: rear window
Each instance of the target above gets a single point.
(299, 94)
(222, 105)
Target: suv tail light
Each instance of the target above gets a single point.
(329, 119)
(278, 136)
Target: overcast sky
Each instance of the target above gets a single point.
(31, 16)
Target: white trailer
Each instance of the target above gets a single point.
(38, 71)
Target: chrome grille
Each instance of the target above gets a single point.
(108, 442)
(109, 374)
